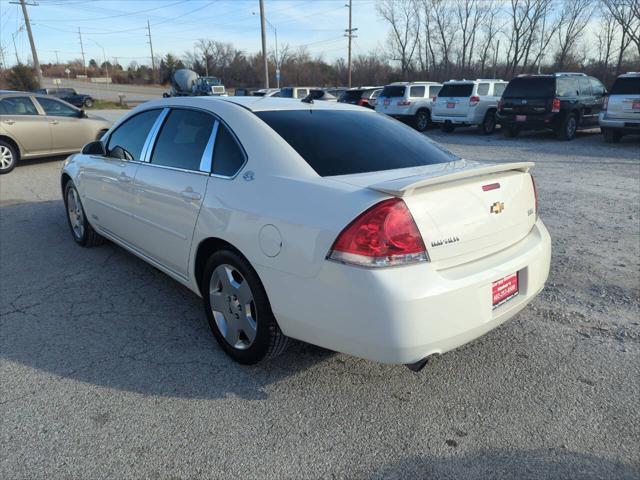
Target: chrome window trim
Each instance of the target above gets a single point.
(147, 148)
(176, 169)
(242, 150)
(206, 162)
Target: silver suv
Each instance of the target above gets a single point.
(409, 101)
(468, 102)
(621, 111)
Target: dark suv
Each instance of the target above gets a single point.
(358, 96)
(562, 102)
(69, 95)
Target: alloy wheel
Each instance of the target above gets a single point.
(6, 157)
(76, 215)
(233, 306)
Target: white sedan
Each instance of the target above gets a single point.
(323, 222)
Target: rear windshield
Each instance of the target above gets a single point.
(393, 91)
(626, 86)
(456, 90)
(351, 95)
(359, 141)
(530, 87)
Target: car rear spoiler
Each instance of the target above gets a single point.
(401, 187)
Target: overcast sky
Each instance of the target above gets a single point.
(119, 26)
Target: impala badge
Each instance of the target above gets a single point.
(497, 207)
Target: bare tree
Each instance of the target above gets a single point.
(627, 14)
(405, 28)
(574, 17)
(489, 29)
(441, 18)
(469, 16)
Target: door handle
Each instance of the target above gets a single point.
(54, 122)
(190, 195)
(9, 122)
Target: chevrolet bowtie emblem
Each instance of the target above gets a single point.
(497, 207)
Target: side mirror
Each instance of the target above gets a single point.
(94, 148)
(82, 114)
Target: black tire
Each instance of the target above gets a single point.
(88, 237)
(568, 127)
(448, 127)
(269, 340)
(611, 135)
(88, 102)
(9, 157)
(510, 132)
(488, 123)
(422, 120)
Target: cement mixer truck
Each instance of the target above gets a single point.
(187, 83)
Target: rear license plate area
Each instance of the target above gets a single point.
(504, 289)
(635, 106)
(451, 105)
(521, 118)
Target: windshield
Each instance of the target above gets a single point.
(360, 141)
(211, 81)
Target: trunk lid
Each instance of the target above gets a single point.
(464, 210)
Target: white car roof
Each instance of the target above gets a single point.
(415, 83)
(255, 104)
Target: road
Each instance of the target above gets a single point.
(134, 93)
(108, 369)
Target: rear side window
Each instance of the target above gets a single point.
(127, 140)
(456, 90)
(391, 91)
(228, 157)
(19, 106)
(302, 92)
(337, 142)
(585, 87)
(530, 87)
(183, 139)
(626, 86)
(498, 89)
(434, 90)
(567, 87)
(483, 89)
(417, 91)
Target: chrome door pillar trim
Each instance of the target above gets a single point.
(151, 137)
(207, 156)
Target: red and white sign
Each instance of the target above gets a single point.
(504, 289)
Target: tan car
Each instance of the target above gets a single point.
(33, 125)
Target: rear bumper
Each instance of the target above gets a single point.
(626, 125)
(403, 314)
(533, 122)
(473, 118)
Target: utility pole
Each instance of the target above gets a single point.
(264, 45)
(84, 63)
(57, 59)
(15, 49)
(4, 64)
(34, 53)
(153, 60)
(349, 35)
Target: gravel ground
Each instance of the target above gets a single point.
(108, 370)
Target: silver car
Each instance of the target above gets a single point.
(33, 125)
(468, 102)
(621, 111)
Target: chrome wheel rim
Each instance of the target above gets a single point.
(76, 215)
(6, 157)
(233, 306)
(571, 127)
(422, 121)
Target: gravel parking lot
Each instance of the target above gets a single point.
(108, 369)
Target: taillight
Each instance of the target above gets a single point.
(473, 101)
(555, 105)
(404, 103)
(535, 195)
(605, 105)
(500, 105)
(362, 102)
(382, 236)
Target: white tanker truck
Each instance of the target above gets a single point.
(187, 83)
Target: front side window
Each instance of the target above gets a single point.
(228, 157)
(56, 108)
(597, 88)
(327, 140)
(483, 89)
(127, 140)
(417, 92)
(18, 106)
(585, 88)
(183, 139)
